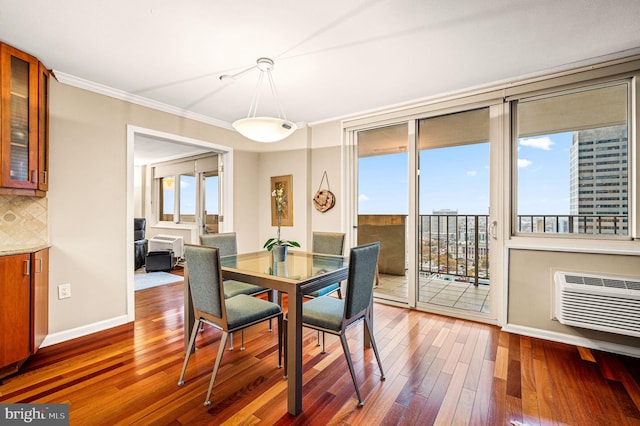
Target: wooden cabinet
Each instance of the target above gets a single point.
(23, 123)
(24, 289)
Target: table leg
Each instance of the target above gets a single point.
(294, 354)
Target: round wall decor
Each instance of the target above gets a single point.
(324, 199)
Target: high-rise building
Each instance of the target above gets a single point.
(598, 179)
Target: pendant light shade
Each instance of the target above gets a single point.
(263, 129)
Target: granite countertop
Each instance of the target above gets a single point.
(23, 250)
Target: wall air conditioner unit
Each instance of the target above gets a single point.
(168, 242)
(598, 302)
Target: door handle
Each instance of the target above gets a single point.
(493, 229)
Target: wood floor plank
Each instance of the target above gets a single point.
(438, 369)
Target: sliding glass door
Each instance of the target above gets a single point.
(454, 200)
(383, 204)
(424, 190)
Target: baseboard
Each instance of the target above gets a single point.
(63, 336)
(573, 340)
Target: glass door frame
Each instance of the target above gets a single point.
(499, 196)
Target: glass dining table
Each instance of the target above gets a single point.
(300, 274)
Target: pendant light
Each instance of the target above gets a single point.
(263, 129)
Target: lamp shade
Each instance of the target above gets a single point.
(264, 129)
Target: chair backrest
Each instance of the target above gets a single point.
(226, 242)
(362, 271)
(328, 242)
(139, 228)
(205, 276)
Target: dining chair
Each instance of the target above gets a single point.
(227, 243)
(236, 313)
(335, 316)
(327, 243)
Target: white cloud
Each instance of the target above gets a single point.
(472, 173)
(522, 163)
(363, 197)
(538, 143)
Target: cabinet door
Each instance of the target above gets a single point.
(19, 118)
(43, 129)
(39, 297)
(15, 308)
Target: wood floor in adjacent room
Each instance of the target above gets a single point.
(439, 370)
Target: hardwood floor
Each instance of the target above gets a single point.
(438, 370)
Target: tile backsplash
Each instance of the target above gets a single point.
(23, 222)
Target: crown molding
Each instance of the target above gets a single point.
(136, 99)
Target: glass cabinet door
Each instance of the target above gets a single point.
(19, 119)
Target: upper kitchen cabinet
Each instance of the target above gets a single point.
(23, 123)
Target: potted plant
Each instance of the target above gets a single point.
(277, 245)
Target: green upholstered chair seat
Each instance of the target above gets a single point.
(323, 312)
(324, 291)
(243, 310)
(233, 288)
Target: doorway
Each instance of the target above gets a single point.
(172, 146)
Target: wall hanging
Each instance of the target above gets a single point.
(324, 199)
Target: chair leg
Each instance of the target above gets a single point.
(242, 340)
(284, 344)
(230, 341)
(280, 341)
(271, 298)
(347, 354)
(367, 329)
(318, 331)
(223, 343)
(187, 355)
(324, 337)
(339, 293)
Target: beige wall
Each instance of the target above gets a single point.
(87, 209)
(531, 288)
(88, 198)
(327, 156)
(88, 203)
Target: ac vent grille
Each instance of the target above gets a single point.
(603, 282)
(602, 303)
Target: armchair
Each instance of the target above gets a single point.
(140, 243)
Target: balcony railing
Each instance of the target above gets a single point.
(574, 224)
(457, 245)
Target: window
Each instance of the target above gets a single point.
(559, 139)
(178, 188)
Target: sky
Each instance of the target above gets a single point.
(457, 178)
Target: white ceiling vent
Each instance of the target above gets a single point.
(598, 302)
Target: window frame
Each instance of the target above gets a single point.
(631, 81)
(197, 173)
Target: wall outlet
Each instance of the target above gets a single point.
(64, 291)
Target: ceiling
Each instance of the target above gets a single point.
(332, 58)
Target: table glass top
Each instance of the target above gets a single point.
(298, 266)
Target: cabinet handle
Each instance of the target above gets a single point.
(27, 267)
(34, 176)
(44, 177)
(39, 267)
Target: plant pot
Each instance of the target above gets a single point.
(279, 253)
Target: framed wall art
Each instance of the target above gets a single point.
(286, 184)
